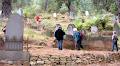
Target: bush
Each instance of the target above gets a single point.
(109, 27)
(48, 24)
(78, 24)
(101, 23)
(63, 9)
(29, 12)
(113, 8)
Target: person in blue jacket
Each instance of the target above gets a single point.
(77, 39)
(114, 41)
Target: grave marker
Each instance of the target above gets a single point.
(14, 33)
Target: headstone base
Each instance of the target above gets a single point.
(14, 46)
(14, 58)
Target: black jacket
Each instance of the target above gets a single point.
(59, 34)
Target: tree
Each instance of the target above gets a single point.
(118, 5)
(46, 4)
(6, 8)
(103, 4)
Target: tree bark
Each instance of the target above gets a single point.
(118, 5)
(6, 8)
(46, 5)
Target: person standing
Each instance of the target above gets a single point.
(59, 35)
(77, 39)
(114, 41)
(37, 19)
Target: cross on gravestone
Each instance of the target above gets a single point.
(14, 33)
(70, 29)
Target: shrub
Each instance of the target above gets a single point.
(48, 24)
(109, 27)
(78, 24)
(29, 12)
(101, 23)
(63, 9)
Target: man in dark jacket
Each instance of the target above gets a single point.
(59, 35)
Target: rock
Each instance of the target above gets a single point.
(40, 62)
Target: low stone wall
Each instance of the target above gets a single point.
(89, 43)
(75, 60)
(98, 43)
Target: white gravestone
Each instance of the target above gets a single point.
(94, 29)
(54, 15)
(14, 33)
(86, 13)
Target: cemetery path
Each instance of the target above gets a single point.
(65, 52)
(48, 52)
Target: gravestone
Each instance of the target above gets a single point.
(14, 54)
(94, 29)
(14, 33)
(87, 13)
(70, 29)
(54, 15)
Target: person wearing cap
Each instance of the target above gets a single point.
(77, 39)
(114, 41)
(59, 35)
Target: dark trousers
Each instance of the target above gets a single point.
(114, 46)
(59, 44)
(79, 45)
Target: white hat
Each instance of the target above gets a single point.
(74, 29)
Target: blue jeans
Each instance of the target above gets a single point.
(114, 46)
(59, 44)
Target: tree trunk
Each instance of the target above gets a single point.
(118, 5)
(46, 5)
(6, 8)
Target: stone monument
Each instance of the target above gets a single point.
(14, 53)
(14, 33)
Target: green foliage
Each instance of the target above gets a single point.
(29, 12)
(113, 8)
(109, 26)
(48, 24)
(63, 9)
(89, 22)
(63, 5)
(52, 6)
(95, 21)
(78, 24)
